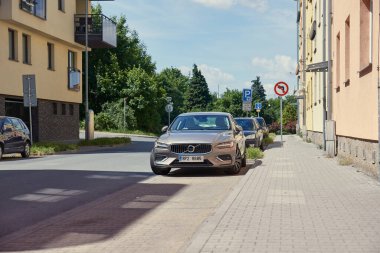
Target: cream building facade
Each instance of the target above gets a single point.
(350, 101)
(312, 66)
(43, 39)
(355, 36)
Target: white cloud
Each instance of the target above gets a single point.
(214, 77)
(278, 68)
(222, 4)
(272, 70)
(260, 5)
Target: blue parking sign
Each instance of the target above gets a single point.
(258, 106)
(247, 95)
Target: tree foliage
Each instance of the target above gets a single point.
(198, 97)
(231, 102)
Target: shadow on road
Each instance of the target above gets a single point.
(84, 206)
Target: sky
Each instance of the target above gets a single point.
(231, 41)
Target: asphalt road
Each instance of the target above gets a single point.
(35, 189)
(105, 200)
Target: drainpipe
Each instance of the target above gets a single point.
(298, 60)
(329, 73)
(304, 62)
(378, 97)
(324, 76)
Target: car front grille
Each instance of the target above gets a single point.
(191, 148)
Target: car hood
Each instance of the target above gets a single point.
(196, 137)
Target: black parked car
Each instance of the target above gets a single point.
(252, 131)
(14, 137)
(263, 126)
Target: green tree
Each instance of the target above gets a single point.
(231, 102)
(145, 98)
(175, 85)
(198, 97)
(129, 53)
(290, 109)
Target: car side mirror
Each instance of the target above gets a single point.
(164, 129)
(239, 129)
(6, 129)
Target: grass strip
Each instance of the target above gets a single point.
(105, 141)
(254, 153)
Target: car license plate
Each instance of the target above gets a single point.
(191, 159)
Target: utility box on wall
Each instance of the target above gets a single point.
(330, 138)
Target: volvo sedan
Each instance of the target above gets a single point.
(200, 139)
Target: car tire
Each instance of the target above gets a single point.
(156, 170)
(244, 159)
(1, 152)
(26, 152)
(237, 166)
(159, 171)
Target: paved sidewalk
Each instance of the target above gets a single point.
(296, 201)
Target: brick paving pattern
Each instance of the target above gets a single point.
(297, 200)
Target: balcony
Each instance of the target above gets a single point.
(101, 31)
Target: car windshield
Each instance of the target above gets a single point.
(201, 122)
(246, 124)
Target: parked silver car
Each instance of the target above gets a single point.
(200, 139)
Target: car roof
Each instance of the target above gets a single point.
(7, 117)
(244, 118)
(204, 113)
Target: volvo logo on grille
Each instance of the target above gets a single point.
(190, 149)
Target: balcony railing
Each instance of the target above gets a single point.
(101, 31)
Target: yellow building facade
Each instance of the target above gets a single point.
(40, 39)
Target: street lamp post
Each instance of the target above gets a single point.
(87, 130)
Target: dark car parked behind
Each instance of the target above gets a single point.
(14, 137)
(263, 126)
(252, 132)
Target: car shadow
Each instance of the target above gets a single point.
(211, 172)
(56, 209)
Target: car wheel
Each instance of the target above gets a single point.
(26, 152)
(244, 160)
(159, 171)
(237, 166)
(1, 152)
(156, 170)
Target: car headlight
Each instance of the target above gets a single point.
(161, 145)
(228, 144)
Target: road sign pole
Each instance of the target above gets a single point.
(169, 117)
(125, 113)
(281, 118)
(30, 111)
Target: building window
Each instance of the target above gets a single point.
(12, 34)
(50, 49)
(63, 109)
(35, 7)
(365, 33)
(55, 109)
(72, 60)
(61, 5)
(71, 109)
(347, 52)
(26, 49)
(337, 86)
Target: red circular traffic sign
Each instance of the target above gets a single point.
(281, 89)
